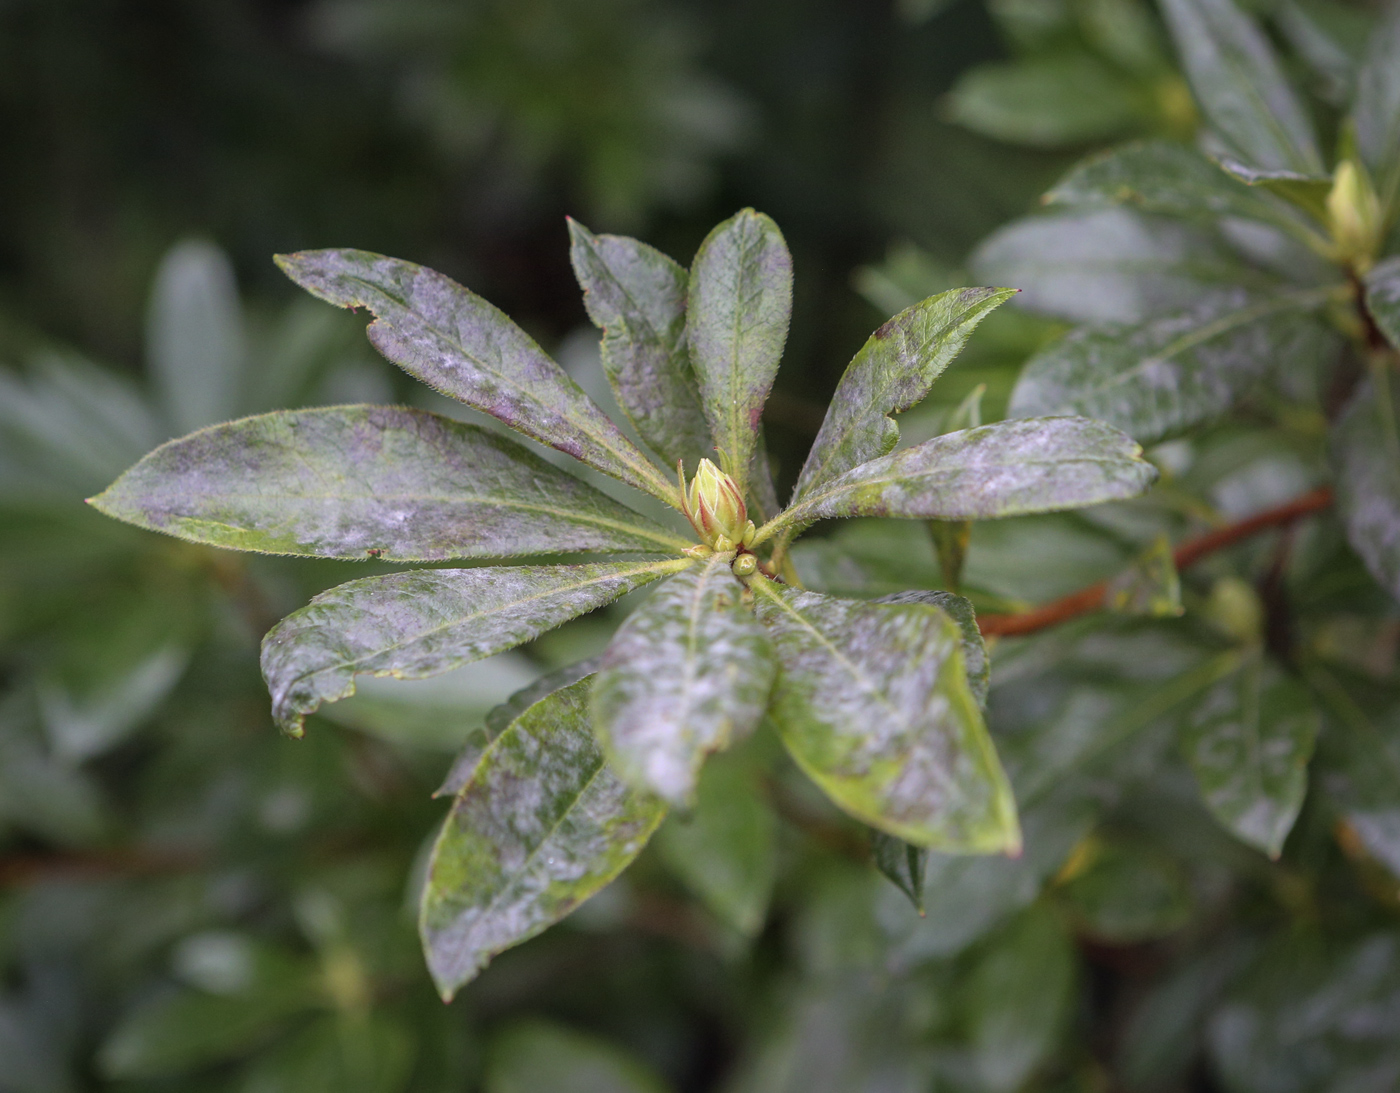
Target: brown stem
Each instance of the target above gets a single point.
(1092, 598)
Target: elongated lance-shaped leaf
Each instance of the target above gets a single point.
(1377, 106)
(500, 718)
(903, 864)
(1249, 741)
(1167, 179)
(453, 340)
(1240, 87)
(1366, 454)
(892, 372)
(958, 608)
(1383, 298)
(371, 481)
(1307, 192)
(737, 319)
(543, 824)
(872, 702)
(417, 624)
(688, 673)
(1007, 469)
(636, 296)
(1164, 375)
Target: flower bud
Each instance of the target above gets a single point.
(1354, 216)
(744, 565)
(715, 506)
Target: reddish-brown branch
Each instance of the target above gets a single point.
(1092, 598)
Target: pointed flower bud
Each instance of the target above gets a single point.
(715, 506)
(1354, 215)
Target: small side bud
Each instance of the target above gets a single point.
(749, 532)
(723, 544)
(744, 565)
(715, 507)
(1354, 216)
(699, 550)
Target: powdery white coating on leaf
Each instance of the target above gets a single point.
(542, 825)
(686, 675)
(370, 481)
(1383, 298)
(1167, 374)
(1364, 452)
(1007, 469)
(411, 625)
(737, 320)
(455, 341)
(637, 297)
(1249, 742)
(872, 702)
(958, 608)
(1240, 87)
(893, 371)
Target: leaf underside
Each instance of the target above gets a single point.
(371, 481)
(417, 624)
(543, 824)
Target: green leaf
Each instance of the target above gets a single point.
(1106, 265)
(905, 866)
(1249, 741)
(893, 371)
(455, 341)
(725, 848)
(740, 302)
(354, 1054)
(1126, 893)
(1018, 1000)
(498, 719)
(1150, 586)
(1167, 179)
(1048, 101)
(637, 296)
(1240, 87)
(687, 674)
(1308, 192)
(975, 660)
(1383, 298)
(872, 702)
(194, 337)
(535, 1057)
(371, 481)
(542, 825)
(1366, 456)
(1007, 469)
(1160, 377)
(416, 624)
(1377, 107)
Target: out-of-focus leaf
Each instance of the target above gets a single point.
(687, 674)
(1007, 469)
(1150, 586)
(1249, 742)
(353, 1054)
(1366, 455)
(1126, 893)
(82, 725)
(1106, 265)
(536, 1056)
(371, 481)
(456, 342)
(725, 848)
(1169, 373)
(1240, 87)
(1046, 101)
(1165, 178)
(542, 825)
(499, 718)
(1019, 998)
(637, 296)
(420, 623)
(872, 702)
(42, 795)
(737, 320)
(893, 371)
(1383, 292)
(195, 338)
(905, 866)
(1308, 192)
(1377, 106)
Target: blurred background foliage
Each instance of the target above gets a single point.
(190, 902)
